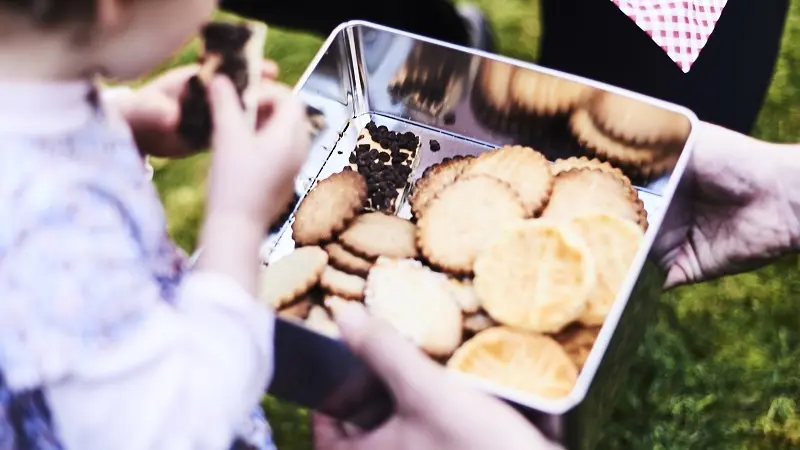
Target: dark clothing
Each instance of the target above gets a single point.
(593, 38)
(437, 19)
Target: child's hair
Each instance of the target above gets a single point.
(51, 13)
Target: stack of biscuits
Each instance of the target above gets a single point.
(643, 140)
(506, 270)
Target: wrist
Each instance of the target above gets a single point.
(231, 244)
(787, 175)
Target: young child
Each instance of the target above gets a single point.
(106, 341)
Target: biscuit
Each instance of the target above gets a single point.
(574, 162)
(464, 295)
(298, 310)
(320, 321)
(387, 160)
(579, 192)
(376, 234)
(291, 276)
(342, 284)
(329, 208)
(434, 179)
(417, 301)
(475, 323)
(528, 362)
(524, 169)
(463, 219)
(577, 342)
(636, 122)
(535, 276)
(646, 160)
(347, 262)
(494, 82)
(613, 243)
(543, 94)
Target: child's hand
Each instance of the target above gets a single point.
(153, 111)
(253, 172)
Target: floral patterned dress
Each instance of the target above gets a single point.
(105, 337)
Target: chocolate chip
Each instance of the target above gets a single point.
(383, 129)
(378, 198)
(339, 152)
(384, 157)
(399, 183)
(352, 159)
(373, 153)
(435, 146)
(376, 167)
(363, 148)
(400, 157)
(360, 137)
(449, 118)
(347, 169)
(385, 143)
(363, 170)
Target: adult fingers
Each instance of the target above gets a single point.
(408, 373)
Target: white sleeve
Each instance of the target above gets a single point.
(83, 320)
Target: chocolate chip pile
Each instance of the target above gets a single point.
(386, 160)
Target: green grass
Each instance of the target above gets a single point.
(719, 368)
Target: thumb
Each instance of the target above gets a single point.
(408, 372)
(227, 115)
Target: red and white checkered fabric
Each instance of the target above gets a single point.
(681, 28)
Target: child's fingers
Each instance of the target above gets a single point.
(284, 112)
(269, 69)
(226, 111)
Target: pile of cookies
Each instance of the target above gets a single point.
(642, 139)
(506, 271)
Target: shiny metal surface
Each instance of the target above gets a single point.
(438, 91)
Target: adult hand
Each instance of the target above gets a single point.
(433, 408)
(743, 210)
(153, 111)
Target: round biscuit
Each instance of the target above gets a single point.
(320, 321)
(545, 94)
(578, 192)
(523, 168)
(342, 284)
(433, 180)
(417, 301)
(535, 276)
(636, 122)
(527, 362)
(494, 83)
(346, 261)
(563, 165)
(291, 276)
(463, 219)
(377, 234)
(329, 208)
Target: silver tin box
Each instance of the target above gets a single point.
(354, 79)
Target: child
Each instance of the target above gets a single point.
(106, 342)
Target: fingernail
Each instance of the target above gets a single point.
(349, 315)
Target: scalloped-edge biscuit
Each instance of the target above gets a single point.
(464, 295)
(577, 342)
(434, 179)
(527, 362)
(346, 261)
(342, 284)
(494, 82)
(535, 276)
(564, 165)
(523, 168)
(637, 122)
(463, 219)
(578, 192)
(545, 94)
(377, 234)
(417, 301)
(284, 280)
(329, 208)
(297, 311)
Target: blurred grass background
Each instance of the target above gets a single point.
(719, 369)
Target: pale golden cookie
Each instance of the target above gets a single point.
(578, 192)
(578, 342)
(495, 82)
(464, 295)
(320, 321)
(417, 301)
(564, 165)
(329, 208)
(346, 261)
(475, 323)
(545, 94)
(463, 220)
(535, 276)
(637, 122)
(528, 362)
(524, 169)
(342, 284)
(291, 276)
(613, 243)
(376, 234)
(434, 179)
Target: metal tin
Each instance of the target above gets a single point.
(349, 81)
